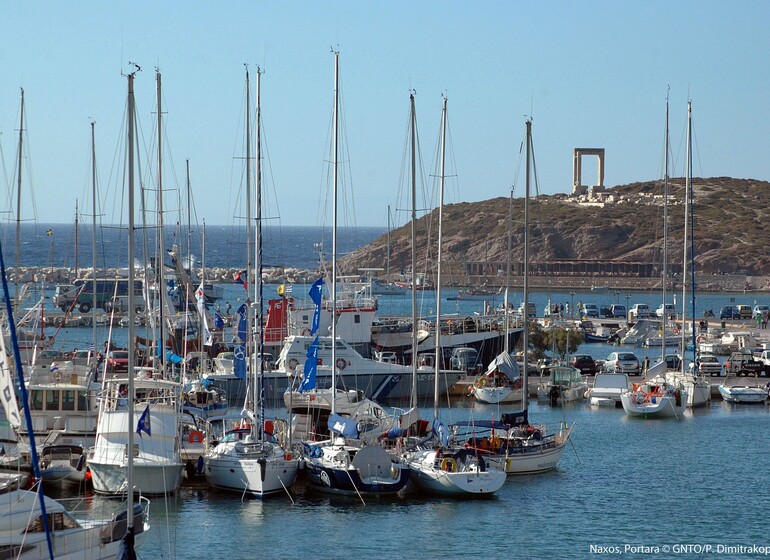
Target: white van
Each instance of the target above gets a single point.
(639, 311)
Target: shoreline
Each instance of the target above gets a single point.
(706, 283)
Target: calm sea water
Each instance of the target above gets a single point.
(225, 246)
(700, 480)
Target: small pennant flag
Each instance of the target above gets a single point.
(144, 423)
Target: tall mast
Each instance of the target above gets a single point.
(665, 240)
(93, 233)
(131, 328)
(508, 275)
(249, 336)
(413, 127)
(687, 228)
(76, 239)
(161, 244)
(258, 323)
(525, 330)
(333, 364)
(437, 367)
(387, 256)
(189, 219)
(18, 204)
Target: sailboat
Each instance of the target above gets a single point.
(249, 459)
(341, 464)
(444, 469)
(155, 461)
(502, 381)
(512, 444)
(661, 395)
(697, 387)
(33, 526)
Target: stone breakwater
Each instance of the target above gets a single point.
(212, 275)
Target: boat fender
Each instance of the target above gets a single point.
(287, 456)
(293, 363)
(319, 362)
(341, 363)
(640, 398)
(448, 464)
(196, 436)
(394, 471)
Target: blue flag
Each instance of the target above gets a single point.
(242, 323)
(315, 294)
(219, 323)
(239, 352)
(144, 423)
(311, 365)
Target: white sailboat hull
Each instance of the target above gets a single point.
(497, 395)
(258, 477)
(659, 407)
(430, 473)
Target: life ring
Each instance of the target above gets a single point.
(293, 363)
(448, 464)
(57, 376)
(341, 363)
(319, 361)
(640, 398)
(482, 382)
(517, 383)
(306, 332)
(196, 436)
(699, 339)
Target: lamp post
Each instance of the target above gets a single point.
(617, 296)
(572, 305)
(628, 298)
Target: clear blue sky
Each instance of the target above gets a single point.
(591, 74)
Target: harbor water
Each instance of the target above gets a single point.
(623, 482)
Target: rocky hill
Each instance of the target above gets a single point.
(731, 223)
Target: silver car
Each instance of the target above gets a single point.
(622, 362)
(708, 365)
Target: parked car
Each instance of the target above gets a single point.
(740, 363)
(618, 311)
(605, 311)
(622, 362)
(669, 311)
(708, 365)
(590, 311)
(744, 311)
(117, 361)
(639, 311)
(729, 312)
(585, 363)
